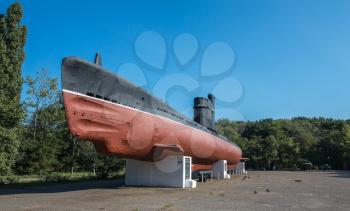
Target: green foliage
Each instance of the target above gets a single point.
(232, 130)
(40, 145)
(107, 166)
(291, 143)
(8, 149)
(47, 146)
(12, 40)
(11, 179)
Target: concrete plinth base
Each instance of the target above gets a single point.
(220, 170)
(240, 169)
(173, 171)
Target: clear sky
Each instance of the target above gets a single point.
(291, 57)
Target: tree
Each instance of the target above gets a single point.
(12, 40)
(291, 143)
(346, 146)
(47, 145)
(232, 130)
(42, 93)
(40, 145)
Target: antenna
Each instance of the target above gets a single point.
(98, 59)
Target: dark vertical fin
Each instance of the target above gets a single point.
(98, 59)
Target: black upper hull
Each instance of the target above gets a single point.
(92, 80)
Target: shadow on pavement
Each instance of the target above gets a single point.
(61, 187)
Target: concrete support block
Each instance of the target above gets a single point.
(172, 171)
(240, 169)
(220, 170)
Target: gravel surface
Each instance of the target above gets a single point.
(279, 190)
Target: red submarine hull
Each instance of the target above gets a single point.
(134, 130)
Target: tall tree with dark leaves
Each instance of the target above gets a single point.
(40, 145)
(12, 40)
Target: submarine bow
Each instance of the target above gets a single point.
(124, 120)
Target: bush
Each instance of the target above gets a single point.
(8, 149)
(9, 180)
(56, 177)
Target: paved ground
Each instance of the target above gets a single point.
(262, 191)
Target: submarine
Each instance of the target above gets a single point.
(124, 120)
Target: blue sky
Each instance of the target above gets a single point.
(291, 57)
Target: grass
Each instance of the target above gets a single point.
(53, 178)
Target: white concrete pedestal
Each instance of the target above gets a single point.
(220, 170)
(172, 171)
(240, 169)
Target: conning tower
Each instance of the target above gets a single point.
(204, 111)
